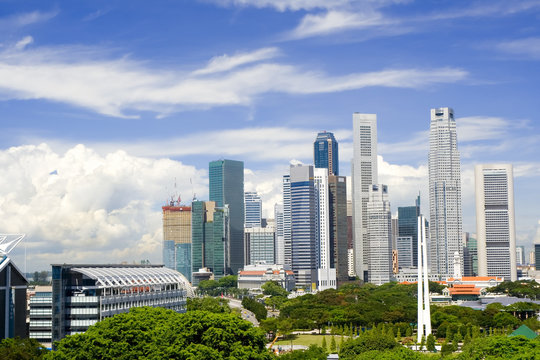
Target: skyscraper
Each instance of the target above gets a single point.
(408, 226)
(260, 245)
(520, 255)
(337, 193)
(405, 246)
(495, 224)
(177, 238)
(303, 219)
(252, 209)
(322, 227)
(364, 174)
(210, 241)
(325, 152)
(379, 235)
(280, 239)
(470, 255)
(287, 221)
(226, 178)
(444, 193)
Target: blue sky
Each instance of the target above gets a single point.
(104, 105)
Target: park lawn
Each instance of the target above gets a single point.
(306, 340)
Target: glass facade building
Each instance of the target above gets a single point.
(325, 152)
(260, 245)
(226, 187)
(177, 238)
(408, 226)
(337, 194)
(253, 209)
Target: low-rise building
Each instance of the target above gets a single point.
(254, 276)
(82, 295)
(40, 314)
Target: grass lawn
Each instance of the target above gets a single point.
(305, 339)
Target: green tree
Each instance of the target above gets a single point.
(501, 347)
(157, 333)
(270, 326)
(272, 288)
(255, 307)
(369, 340)
(430, 343)
(333, 345)
(446, 348)
(314, 352)
(21, 349)
(422, 343)
(215, 305)
(398, 336)
(324, 345)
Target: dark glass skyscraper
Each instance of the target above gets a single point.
(325, 152)
(226, 179)
(408, 226)
(337, 193)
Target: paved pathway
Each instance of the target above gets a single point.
(246, 314)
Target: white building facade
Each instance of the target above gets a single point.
(364, 174)
(495, 222)
(379, 235)
(444, 192)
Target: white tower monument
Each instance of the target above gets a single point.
(424, 315)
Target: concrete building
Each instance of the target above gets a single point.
(405, 245)
(260, 245)
(379, 219)
(210, 239)
(177, 238)
(280, 239)
(495, 223)
(325, 152)
(287, 221)
(520, 255)
(84, 294)
(226, 187)
(364, 174)
(444, 192)
(304, 221)
(252, 209)
(40, 314)
(322, 226)
(255, 275)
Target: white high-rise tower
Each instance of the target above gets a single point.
(379, 235)
(364, 174)
(495, 224)
(444, 193)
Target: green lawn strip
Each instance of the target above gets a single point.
(306, 340)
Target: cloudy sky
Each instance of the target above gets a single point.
(105, 105)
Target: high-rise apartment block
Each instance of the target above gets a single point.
(444, 192)
(177, 238)
(252, 209)
(210, 239)
(364, 174)
(495, 224)
(408, 226)
(226, 187)
(325, 152)
(303, 220)
(379, 235)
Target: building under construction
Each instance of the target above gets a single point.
(177, 238)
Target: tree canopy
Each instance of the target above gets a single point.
(21, 349)
(521, 288)
(157, 333)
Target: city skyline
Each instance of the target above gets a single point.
(103, 106)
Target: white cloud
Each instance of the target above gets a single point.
(284, 5)
(25, 19)
(80, 206)
(529, 47)
(226, 62)
(336, 21)
(123, 87)
(21, 44)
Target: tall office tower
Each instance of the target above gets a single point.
(379, 235)
(495, 226)
(177, 238)
(337, 196)
(252, 209)
(364, 174)
(520, 255)
(325, 152)
(260, 245)
(534, 256)
(280, 240)
(303, 219)
(210, 243)
(408, 226)
(405, 246)
(395, 232)
(444, 192)
(322, 227)
(226, 178)
(470, 255)
(287, 221)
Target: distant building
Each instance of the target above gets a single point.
(280, 239)
(260, 245)
(495, 223)
(379, 220)
(40, 314)
(470, 255)
(287, 221)
(210, 239)
(254, 276)
(520, 255)
(405, 247)
(253, 209)
(534, 256)
(84, 294)
(325, 152)
(177, 238)
(226, 187)
(338, 221)
(408, 226)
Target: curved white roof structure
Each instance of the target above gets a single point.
(134, 276)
